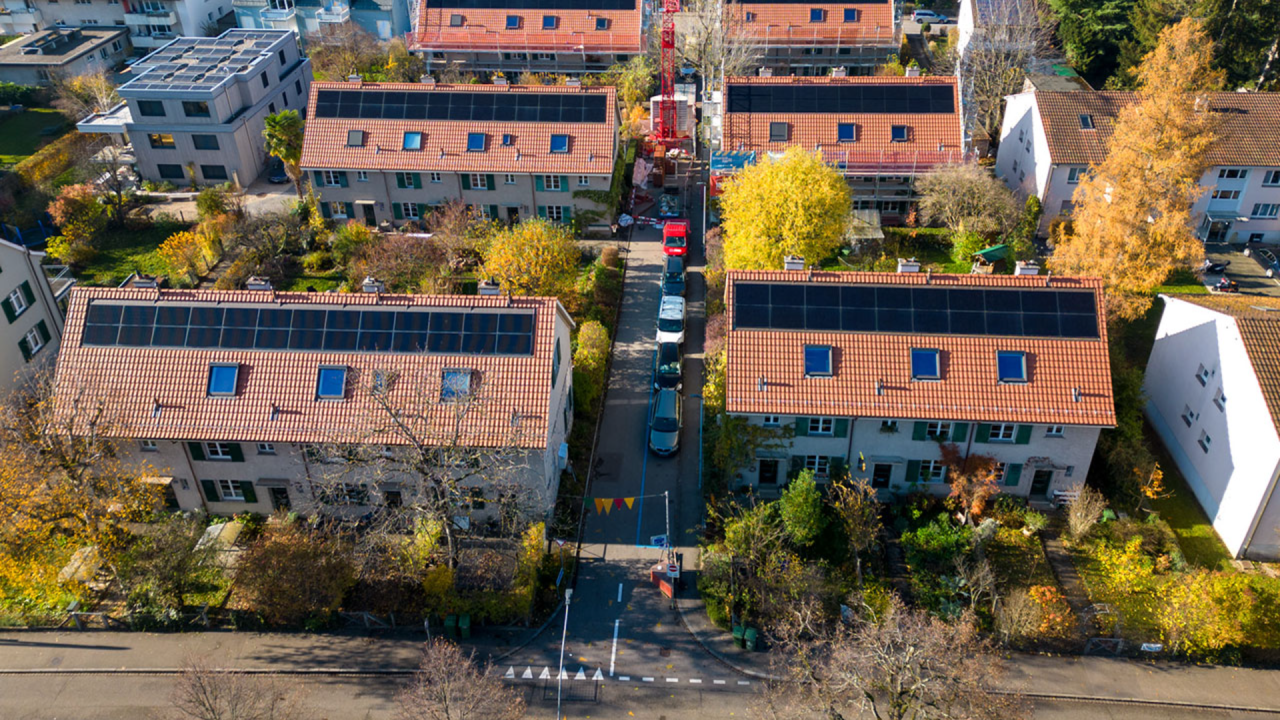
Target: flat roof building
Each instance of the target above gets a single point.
(37, 58)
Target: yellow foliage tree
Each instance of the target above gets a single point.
(534, 257)
(1132, 223)
(795, 205)
(181, 252)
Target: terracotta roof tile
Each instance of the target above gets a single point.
(789, 24)
(592, 146)
(969, 390)
(1250, 123)
(485, 30)
(132, 380)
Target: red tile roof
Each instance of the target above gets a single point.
(592, 146)
(968, 391)
(1250, 123)
(788, 24)
(935, 138)
(485, 30)
(132, 379)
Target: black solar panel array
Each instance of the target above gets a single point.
(273, 328)
(808, 2)
(878, 99)
(534, 4)
(470, 106)
(828, 307)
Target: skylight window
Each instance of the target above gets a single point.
(1086, 122)
(847, 132)
(456, 20)
(559, 143)
(222, 379)
(508, 140)
(331, 383)
(850, 15)
(355, 138)
(455, 384)
(475, 142)
(602, 23)
(817, 15)
(513, 22)
(925, 365)
(779, 132)
(1011, 367)
(901, 133)
(817, 361)
(550, 22)
(413, 141)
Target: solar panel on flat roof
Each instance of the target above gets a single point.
(1008, 312)
(534, 4)
(463, 106)
(841, 98)
(482, 332)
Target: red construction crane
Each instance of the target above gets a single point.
(665, 129)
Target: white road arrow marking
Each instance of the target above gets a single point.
(528, 673)
(546, 674)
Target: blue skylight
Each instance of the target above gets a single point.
(817, 360)
(559, 143)
(222, 379)
(1011, 367)
(413, 141)
(475, 142)
(332, 383)
(455, 384)
(925, 365)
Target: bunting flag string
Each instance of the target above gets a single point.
(606, 505)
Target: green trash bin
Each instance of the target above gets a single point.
(464, 626)
(738, 635)
(749, 637)
(451, 627)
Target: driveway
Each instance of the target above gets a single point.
(261, 197)
(1244, 270)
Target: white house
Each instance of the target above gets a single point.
(32, 302)
(874, 371)
(1049, 140)
(1213, 389)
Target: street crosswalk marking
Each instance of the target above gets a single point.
(744, 682)
(718, 682)
(673, 679)
(696, 681)
(624, 678)
(647, 679)
(598, 676)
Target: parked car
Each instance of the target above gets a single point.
(929, 16)
(669, 203)
(664, 423)
(275, 172)
(673, 277)
(668, 367)
(1265, 257)
(671, 319)
(675, 237)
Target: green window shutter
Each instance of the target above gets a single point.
(538, 184)
(1012, 474)
(324, 210)
(43, 330)
(466, 181)
(564, 183)
(542, 213)
(797, 466)
(488, 183)
(493, 212)
(417, 181)
(342, 179)
(913, 471)
(802, 426)
(422, 210)
(197, 452)
(25, 347)
(210, 489)
(1024, 435)
(246, 489)
(351, 210)
(984, 433)
(26, 293)
(842, 427)
(9, 314)
(959, 431)
(400, 180)
(568, 212)
(920, 431)
(237, 455)
(395, 210)
(319, 176)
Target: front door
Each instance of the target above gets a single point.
(369, 218)
(1218, 230)
(279, 498)
(513, 215)
(768, 472)
(1040, 483)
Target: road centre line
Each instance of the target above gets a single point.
(613, 657)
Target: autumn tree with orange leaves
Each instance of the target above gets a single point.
(973, 479)
(1132, 223)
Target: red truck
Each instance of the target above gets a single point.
(675, 238)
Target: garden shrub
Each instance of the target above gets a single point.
(317, 261)
(1056, 618)
(294, 573)
(590, 361)
(211, 202)
(609, 256)
(801, 509)
(15, 94)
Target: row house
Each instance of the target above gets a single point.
(151, 23)
(1050, 139)
(515, 36)
(389, 152)
(195, 111)
(874, 371)
(384, 19)
(810, 38)
(881, 133)
(1212, 385)
(237, 399)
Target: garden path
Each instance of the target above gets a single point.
(1068, 578)
(899, 575)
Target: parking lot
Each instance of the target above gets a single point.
(1246, 271)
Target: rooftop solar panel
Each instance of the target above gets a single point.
(464, 106)
(841, 98)
(534, 4)
(807, 2)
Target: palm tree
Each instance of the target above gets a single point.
(283, 133)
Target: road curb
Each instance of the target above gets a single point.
(531, 638)
(724, 659)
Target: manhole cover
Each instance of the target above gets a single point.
(664, 652)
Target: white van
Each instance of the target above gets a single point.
(671, 319)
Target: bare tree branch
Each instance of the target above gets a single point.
(450, 686)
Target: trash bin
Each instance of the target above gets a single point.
(451, 627)
(738, 635)
(749, 638)
(464, 626)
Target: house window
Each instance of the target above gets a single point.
(772, 421)
(602, 24)
(266, 448)
(1011, 367)
(205, 142)
(149, 446)
(1022, 176)
(222, 379)
(151, 108)
(1205, 441)
(1226, 195)
(331, 384)
(1055, 431)
(217, 451)
(214, 172)
(817, 361)
(413, 141)
(822, 426)
(555, 213)
(162, 141)
(170, 172)
(938, 430)
(819, 464)
(230, 490)
(1073, 175)
(513, 22)
(881, 473)
(1188, 415)
(509, 179)
(900, 133)
(1203, 375)
(18, 301)
(456, 20)
(338, 209)
(551, 182)
(888, 426)
(34, 341)
(932, 471)
(550, 22)
(1003, 432)
(508, 139)
(1086, 122)
(332, 178)
(409, 211)
(479, 181)
(1015, 166)
(1220, 400)
(297, 85)
(475, 142)
(455, 384)
(846, 133)
(436, 177)
(584, 181)
(355, 138)
(779, 132)
(750, 17)
(266, 82)
(1233, 173)
(380, 382)
(925, 364)
(362, 176)
(817, 15)
(559, 143)
(1271, 178)
(850, 15)
(195, 108)
(1265, 210)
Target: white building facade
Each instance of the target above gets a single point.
(32, 303)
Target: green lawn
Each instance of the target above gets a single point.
(22, 134)
(1019, 560)
(321, 282)
(127, 251)
(1196, 537)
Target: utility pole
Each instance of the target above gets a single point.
(666, 501)
(568, 593)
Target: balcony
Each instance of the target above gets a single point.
(335, 13)
(151, 17)
(275, 15)
(21, 19)
(152, 40)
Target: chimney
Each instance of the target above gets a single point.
(792, 262)
(488, 287)
(910, 265)
(427, 79)
(766, 72)
(913, 71)
(1026, 267)
(573, 82)
(373, 285)
(353, 78)
(499, 80)
(839, 72)
(256, 282)
(144, 281)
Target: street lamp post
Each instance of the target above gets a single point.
(568, 593)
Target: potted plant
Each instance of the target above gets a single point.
(1033, 522)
